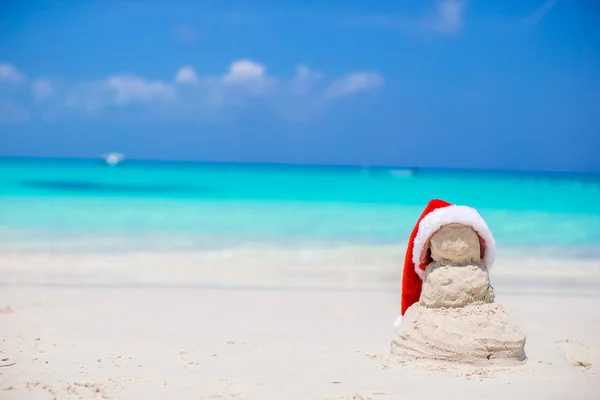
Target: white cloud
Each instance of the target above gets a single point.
(446, 18)
(119, 91)
(245, 71)
(305, 79)
(89, 96)
(354, 83)
(247, 78)
(8, 73)
(43, 88)
(131, 89)
(538, 15)
(189, 95)
(186, 74)
(449, 16)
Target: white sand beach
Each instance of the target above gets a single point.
(69, 336)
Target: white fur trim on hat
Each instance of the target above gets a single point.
(452, 214)
(398, 321)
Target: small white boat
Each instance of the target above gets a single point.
(403, 172)
(113, 159)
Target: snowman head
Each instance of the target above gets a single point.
(455, 243)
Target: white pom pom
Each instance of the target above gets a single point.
(397, 321)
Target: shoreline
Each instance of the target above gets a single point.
(341, 269)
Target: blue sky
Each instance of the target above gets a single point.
(462, 84)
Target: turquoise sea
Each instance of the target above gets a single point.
(84, 205)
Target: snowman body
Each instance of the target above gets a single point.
(456, 317)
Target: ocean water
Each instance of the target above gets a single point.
(85, 205)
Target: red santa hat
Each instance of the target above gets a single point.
(437, 214)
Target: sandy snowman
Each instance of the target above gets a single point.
(448, 310)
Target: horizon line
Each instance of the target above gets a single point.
(311, 165)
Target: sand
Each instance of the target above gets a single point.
(94, 340)
(455, 243)
(482, 333)
(447, 286)
(456, 320)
